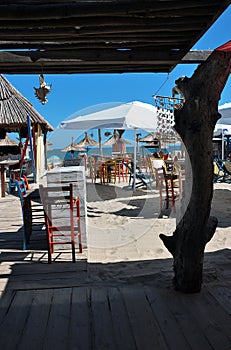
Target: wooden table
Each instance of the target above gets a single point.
(3, 164)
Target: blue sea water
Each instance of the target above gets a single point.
(107, 151)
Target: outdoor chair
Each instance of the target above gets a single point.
(21, 188)
(226, 166)
(32, 211)
(111, 171)
(218, 171)
(221, 171)
(165, 186)
(180, 181)
(62, 218)
(93, 169)
(155, 163)
(141, 179)
(17, 174)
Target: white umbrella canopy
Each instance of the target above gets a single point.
(131, 115)
(223, 125)
(225, 111)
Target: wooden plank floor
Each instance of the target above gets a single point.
(90, 306)
(107, 317)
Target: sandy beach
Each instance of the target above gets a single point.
(125, 226)
(124, 243)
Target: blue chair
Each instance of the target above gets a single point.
(32, 209)
(141, 178)
(17, 174)
(21, 189)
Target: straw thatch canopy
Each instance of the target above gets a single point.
(87, 141)
(73, 147)
(7, 142)
(9, 147)
(14, 109)
(147, 138)
(115, 139)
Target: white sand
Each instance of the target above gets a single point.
(123, 226)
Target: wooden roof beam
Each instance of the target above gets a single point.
(103, 21)
(14, 64)
(102, 56)
(50, 33)
(12, 11)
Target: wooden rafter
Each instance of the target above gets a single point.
(102, 36)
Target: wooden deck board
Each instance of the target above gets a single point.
(172, 330)
(14, 322)
(57, 329)
(223, 297)
(5, 301)
(214, 322)
(108, 317)
(80, 322)
(121, 325)
(146, 331)
(102, 330)
(35, 327)
(185, 320)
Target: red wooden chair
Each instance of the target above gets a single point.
(62, 218)
(165, 185)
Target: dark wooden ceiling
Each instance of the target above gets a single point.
(102, 36)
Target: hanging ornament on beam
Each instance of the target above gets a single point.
(166, 106)
(43, 90)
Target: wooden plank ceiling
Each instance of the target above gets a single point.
(102, 36)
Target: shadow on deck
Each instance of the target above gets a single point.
(126, 305)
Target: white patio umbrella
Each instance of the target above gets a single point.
(225, 111)
(223, 124)
(127, 116)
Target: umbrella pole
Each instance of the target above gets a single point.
(100, 143)
(134, 163)
(222, 145)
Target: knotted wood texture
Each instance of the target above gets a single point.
(195, 123)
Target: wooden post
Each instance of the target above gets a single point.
(3, 180)
(31, 147)
(195, 123)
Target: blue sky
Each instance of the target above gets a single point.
(71, 93)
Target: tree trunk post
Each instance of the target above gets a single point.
(195, 124)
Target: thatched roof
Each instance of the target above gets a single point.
(115, 139)
(7, 142)
(147, 138)
(14, 109)
(73, 147)
(87, 141)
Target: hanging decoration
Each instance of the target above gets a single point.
(43, 90)
(166, 106)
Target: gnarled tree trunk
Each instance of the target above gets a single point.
(195, 124)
